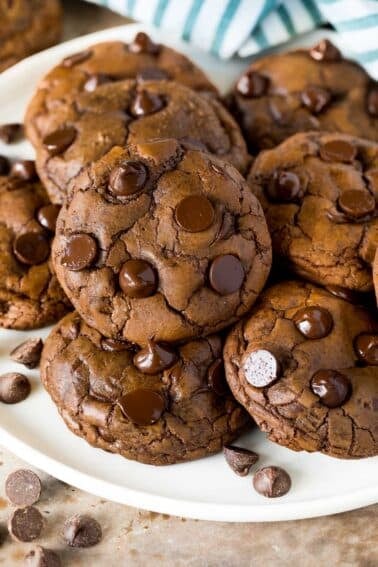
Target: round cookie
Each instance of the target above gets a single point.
(282, 94)
(27, 26)
(305, 366)
(84, 129)
(30, 296)
(163, 234)
(319, 193)
(181, 413)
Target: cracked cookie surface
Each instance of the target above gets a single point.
(161, 241)
(319, 391)
(30, 296)
(168, 417)
(319, 193)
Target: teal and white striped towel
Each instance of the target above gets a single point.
(246, 27)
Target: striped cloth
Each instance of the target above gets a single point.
(246, 27)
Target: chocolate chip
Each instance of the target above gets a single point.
(138, 278)
(4, 165)
(152, 74)
(226, 274)
(112, 345)
(142, 406)
(216, 378)
(356, 204)
(272, 482)
(47, 216)
(372, 102)
(146, 103)
(194, 213)
(284, 187)
(23, 487)
(155, 358)
(14, 388)
(325, 51)
(25, 524)
(28, 353)
(261, 368)
(338, 150)
(82, 531)
(58, 141)
(10, 133)
(332, 387)
(366, 347)
(95, 81)
(31, 248)
(42, 557)
(24, 169)
(128, 178)
(239, 459)
(315, 99)
(346, 294)
(80, 252)
(313, 322)
(252, 84)
(76, 58)
(142, 43)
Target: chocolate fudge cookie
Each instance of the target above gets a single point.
(298, 91)
(305, 365)
(319, 193)
(161, 241)
(30, 296)
(125, 112)
(27, 26)
(153, 415)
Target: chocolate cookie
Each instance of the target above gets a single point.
(163, 234)
(30, 296)
(375, 275)
(319, 193)
(282, 94)
(27, 26)
(165, 416)
(305, 365)
(126, 112)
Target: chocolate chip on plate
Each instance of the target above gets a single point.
(82, 531)
(272, 482)
(24, 169)
(25, 524)
(10, 133)
(239, 459)
(28, 353)
(14, 388)
(42, 557)
(23, 487)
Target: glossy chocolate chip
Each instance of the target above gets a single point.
(24, 169)
(25, 524)
(10, 133)
(142, 406)
(58, 141)
(284, 187)
(315, 99)
(226, 274)
(338, 150)
(4, 165)
(14, 388)
(366, 347)
(155, 358)
(28, 353)
(372, 102)
(152, 74)
(112, 345)
(82, 531)
(325, 51)
(23, 487)
(239, 459)
(332, 387)
(252, 84)
(138, 278)
(76, 58)
(313, 322)
(146, 103)
(142, 43)
(42, 557)
(80, 251)
(356, 204)
(47, 216)
(194, 213)
(95, 81)
(127, 178)
(261, 368)
(346, 294)
(272, 482)
(216, 378)
(31, 248)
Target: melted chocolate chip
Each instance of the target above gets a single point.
(226, 274)
(4, 165)
(95, 81)
(252, 84)
(128, 178)
(332, 387)
(112, 345)
(284, 187)
(23, 487)
(325, 51)
(313, 322)
(315, 99)
(80, 252)
(346, 294)
(10, 133)
(24, 169)
(82, 531)
(142, 406)
(338, 150)
(195, 213)
(138, 278)
(366, 347)
(42, 557)
(31, 248)
(47, 216)
(76, 58)
(152, 74)
(25, 524)
(372, 102)
(261, 368)
(155, 358)
(239, 459)
(14, 388)
(28, 353)
(356, 204)
(216, 378)
(272, 482)
(146, 103)
(142, 43)
(58, 141)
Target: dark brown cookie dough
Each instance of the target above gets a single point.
(305, 365)
(167, 417)
(319, 193)
(30, 296)
(27, 26)
(161, 241)
(282, 94)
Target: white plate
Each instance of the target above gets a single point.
(205, 489)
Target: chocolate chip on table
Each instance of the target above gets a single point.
(142, 406)
(58, 141)
(4, 165)
(138, 278)
(325, 51)
(239, 459)
(80, 252)
(252, 84)
(95, 81)
(42, 557)
(31, 248)
(216, 378)
(24, 169)
(261, 368)
(155, 358)
(76, 58)
(313, 322)
(372, 102)
(194, 213)
(10, 133)
(23, 487)
(226, 274)
(284, 187)
(47, 216)
(127, 178)
(25, 524)
(142, 43)
(14, 388)
(28, 353)
(152, 74)
(146, 103)
(332, 387)
(366, 347)
(272, 482)
(338, 150)
(315, 99)
(356, 203)
(82, 531)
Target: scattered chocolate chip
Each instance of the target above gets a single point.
(128, 178)
(325, 51)
(366, 347)
(58, 141)
(372, 102)
(356, 204)
(25, 524)
(194, 213)
(24, 169)
(284, 187)
(332, 387)
(338, 150)
(313, 322)
(95, 81)
(252, 84)
(82, 531)
(261, 368)
(142, 406)
(138, 278)
(23, 488)
(146, 103)
(112, 345)
(272, 482)
(155, 358)
(10, 133)
(42, 557)
(152, 74)
(4, 165)
(14, 388)
(216, 378)
(28, 353)
(226, 274)
(239, 459)
(80, 252)
(47, 216)
(315, 99)
(31, 248)
(142, 43)
(76, 58)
